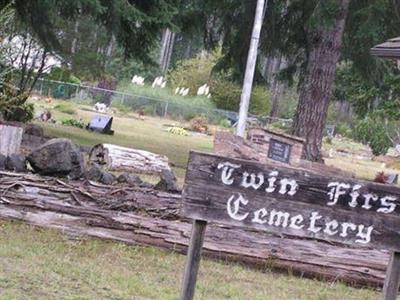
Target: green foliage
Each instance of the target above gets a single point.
(65, 107)
(226, 95)
(74, 123)
(225, 123)
(344, 129)
(381, 97)
(192, 73)
(178, 131)
(373, 132)
(62, 74)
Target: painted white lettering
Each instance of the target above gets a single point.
(354, 195)
(284, 186)
(271, 182)
(388, 203)
(365, 237)
(330, 227)
(258, 215)
(345, 227)
(337, 189)
(295, 222)
(367, 201)
(253, 182)
(233, 207)
(227, 171)
(278, 218)
(314, 217)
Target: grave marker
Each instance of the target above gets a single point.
(291, 202)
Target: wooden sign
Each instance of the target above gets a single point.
(279, 151)
(289, 202)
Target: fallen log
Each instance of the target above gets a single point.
(149, 217)
(10, 139)
(117, 158)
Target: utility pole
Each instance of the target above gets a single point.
(250, 67)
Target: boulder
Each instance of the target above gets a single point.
(57, 157)
(3, 159)
(130, 179)
(107, 178)
(33, 129)
(96, 173)
(16, 163)
(167, 182)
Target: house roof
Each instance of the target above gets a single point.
(388, 49)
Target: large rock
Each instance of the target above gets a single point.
(130, 179)
(96, 173)
(16, 163)
(167, 182)
(3, 159)
(57, 157)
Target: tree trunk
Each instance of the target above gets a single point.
(117, 158)
(324, 45)
(167, 46)
(151, 218)
(10, 139)
(277, 87)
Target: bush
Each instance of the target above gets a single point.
(344, 130)
(372, 131)
(74, 123)
(178, 131)
(225, 123)
(66, 108)
(226, 95)
(192, 73)
(199, 124)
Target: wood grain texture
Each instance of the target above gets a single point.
(193, 260)
(118, 158)
(392, 280)
(10, 139)
(152, 218)
(206, 198)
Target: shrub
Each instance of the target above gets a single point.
(372, 131)
(226, 95)
(199, 124)
(225, 123)
(193, 73)
(73, 122)
(344, 130)
(178, 131)
(66, 108)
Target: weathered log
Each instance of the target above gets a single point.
(149, 217)
(10, 139)
(117, 158)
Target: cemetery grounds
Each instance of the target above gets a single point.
(38, 263)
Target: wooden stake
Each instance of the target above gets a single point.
(193, 260)
(392, 279)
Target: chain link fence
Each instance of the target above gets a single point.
(147, 105)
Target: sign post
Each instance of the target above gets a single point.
(289, 201)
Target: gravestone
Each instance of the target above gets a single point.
(101, 124)
(279, 151)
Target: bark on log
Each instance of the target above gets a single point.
(117, 158)
(10, 139)
(149, 217)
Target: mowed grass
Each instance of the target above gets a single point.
(148, 134)
(45, 264)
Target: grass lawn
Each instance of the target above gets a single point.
(148, 134)
(45, 264)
